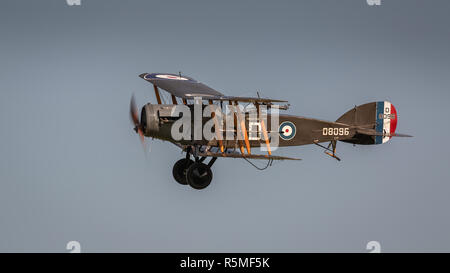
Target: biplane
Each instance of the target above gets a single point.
(237, 133)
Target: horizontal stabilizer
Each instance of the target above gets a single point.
(371, 132)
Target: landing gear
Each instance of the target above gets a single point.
(179, 170)
(196, 174)
(199, 175)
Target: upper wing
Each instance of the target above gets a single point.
(245, 99)
(180, 86)
(188, 88)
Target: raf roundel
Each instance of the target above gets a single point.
(171, 77)
(157, 76)
(287, 130)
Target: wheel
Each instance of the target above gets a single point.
(179, 170)
(199, 175)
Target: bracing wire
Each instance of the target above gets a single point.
(269, 163)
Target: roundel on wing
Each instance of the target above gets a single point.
(287, 130)
(170, 77)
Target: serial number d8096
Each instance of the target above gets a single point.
(335, 131)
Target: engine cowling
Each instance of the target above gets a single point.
(156, 120)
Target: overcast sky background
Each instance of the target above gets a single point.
(72, 168)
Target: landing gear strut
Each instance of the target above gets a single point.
(197, 174)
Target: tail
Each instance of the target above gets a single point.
(374, 123)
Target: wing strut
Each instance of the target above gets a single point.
(263, 128)
(216, 124)
(244, 130)
(174, 100)
(241, 146)
(158, 98)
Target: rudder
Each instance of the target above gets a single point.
(381, 117)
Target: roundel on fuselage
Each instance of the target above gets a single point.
(287, 130)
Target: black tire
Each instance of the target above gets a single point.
(199, 175)
(179, 170)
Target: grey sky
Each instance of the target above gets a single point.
(71, 168)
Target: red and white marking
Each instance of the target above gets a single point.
(389, 120)
(287, 130)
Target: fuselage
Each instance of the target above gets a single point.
(158, 119)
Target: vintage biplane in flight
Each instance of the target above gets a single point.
(236, 132)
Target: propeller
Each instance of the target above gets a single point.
(134, 115)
